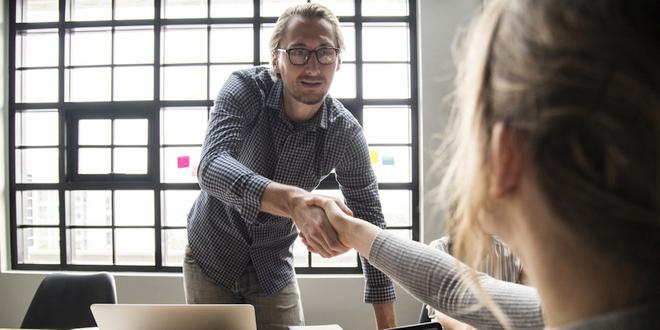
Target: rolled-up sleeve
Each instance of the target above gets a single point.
(220, 174)
(359, 186)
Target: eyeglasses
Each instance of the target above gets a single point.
(300, 56)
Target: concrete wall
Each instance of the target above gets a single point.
(438, 21)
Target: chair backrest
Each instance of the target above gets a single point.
(63, 299)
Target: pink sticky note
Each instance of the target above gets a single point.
(183, 161)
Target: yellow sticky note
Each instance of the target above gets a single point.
(373, 155)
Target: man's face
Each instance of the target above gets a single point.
(308, 83)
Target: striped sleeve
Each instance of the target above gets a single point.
(433, 277)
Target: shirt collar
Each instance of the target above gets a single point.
(274, 101)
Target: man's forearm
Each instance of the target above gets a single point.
(277, 199)
(385, 316)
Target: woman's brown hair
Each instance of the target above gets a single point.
(579, 80)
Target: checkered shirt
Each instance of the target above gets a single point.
(250, 143)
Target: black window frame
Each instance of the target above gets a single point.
(69, 112)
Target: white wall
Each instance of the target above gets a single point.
(438, 20)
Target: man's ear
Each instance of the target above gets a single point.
(338, 63)
(274, 61)
(506, 159)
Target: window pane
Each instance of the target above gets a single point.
(184, 83)
(348, 259)
(176, 204)
(184, 44)
(90, 208)
(39, 165)
(231, 8)
(384, 7)
(131, 132)
(184, 8)
(130, 161)
(391, 164)
(300, 258)
(90, 10)
(183, 125)
(386, 81)
(91, 246)
(180, 164)
(343, 85)
(174, 245)
(134, 45)
(265, 34)
(274, 8)
(134, 208)
(339, 7)
(232, 43)
(37, 128)
(397, 207)
(385, 42)
(36, 86)
(219, 75)
(134, 9)
(94, 161)
(29, 11)
(133, 83)
(134, 246)
(89, 46)
(88, 84)
(386, 124)
(37, 48)
(38, 246)
(94, 132)
(37, 207)
(348, 30)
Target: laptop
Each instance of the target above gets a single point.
(174, 317)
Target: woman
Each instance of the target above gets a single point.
(555, 151)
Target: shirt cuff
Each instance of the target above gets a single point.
(379, 295)
(254, 189)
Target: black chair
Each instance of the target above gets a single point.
(63, 299)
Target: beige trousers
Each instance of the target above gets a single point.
(276, 311)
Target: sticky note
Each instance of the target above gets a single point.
(388, 160)
(373, 155)
(183, 161)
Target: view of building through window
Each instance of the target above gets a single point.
(109, 106)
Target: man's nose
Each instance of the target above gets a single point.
(312, 65)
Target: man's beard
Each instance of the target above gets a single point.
(309, 99)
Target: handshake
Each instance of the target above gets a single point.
(326, 225)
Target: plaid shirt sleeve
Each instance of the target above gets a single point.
(358, 184)
(220, 174)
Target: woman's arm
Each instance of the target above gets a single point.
(433, 276)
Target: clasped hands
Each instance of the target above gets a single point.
(320, 221)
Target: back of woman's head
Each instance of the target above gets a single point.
(579, 80)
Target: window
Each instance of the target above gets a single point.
(109, 102)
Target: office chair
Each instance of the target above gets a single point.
(63, 299)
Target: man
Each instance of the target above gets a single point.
(272, 137)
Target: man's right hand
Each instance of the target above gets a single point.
(315, 230)
(312, 223)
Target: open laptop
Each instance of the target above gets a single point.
(174, 317)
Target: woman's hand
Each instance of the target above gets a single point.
(335, 210)
(352, 232)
